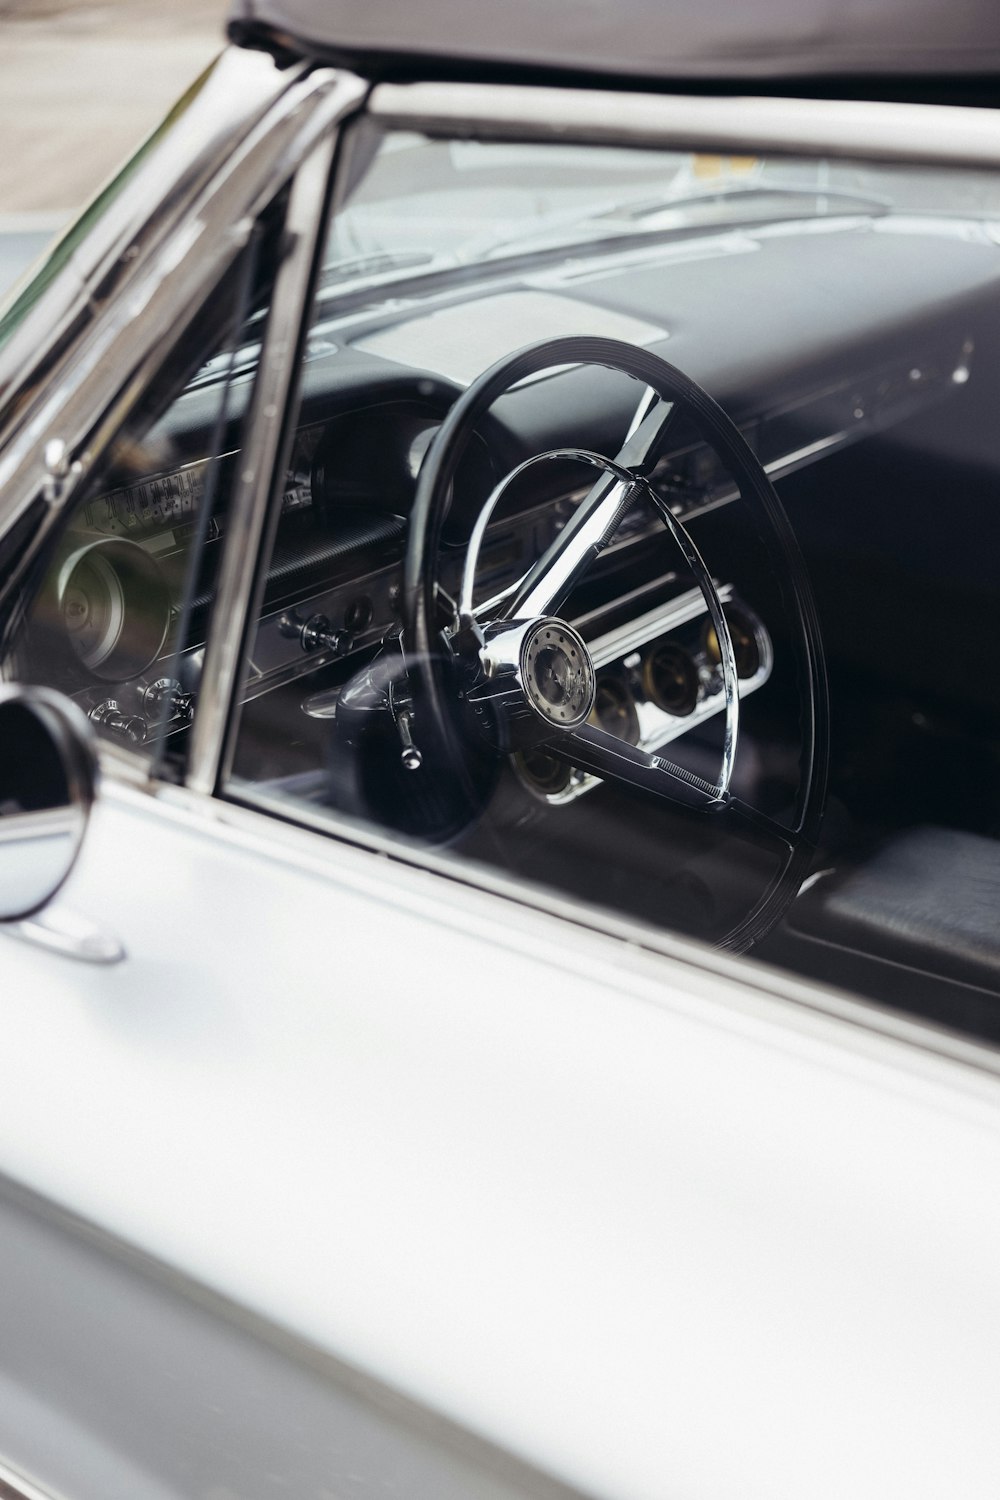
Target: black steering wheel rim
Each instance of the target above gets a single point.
(430, 508)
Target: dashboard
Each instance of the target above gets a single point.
(333, 585)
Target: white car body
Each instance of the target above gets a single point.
(645, 1227)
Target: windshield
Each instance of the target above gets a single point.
(428, 205)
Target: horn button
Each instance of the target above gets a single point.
(534, 677)
(557, 674)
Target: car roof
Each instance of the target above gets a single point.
(642, 40)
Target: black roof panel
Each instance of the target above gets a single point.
(722, 40)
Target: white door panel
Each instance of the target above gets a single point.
(662, 1235)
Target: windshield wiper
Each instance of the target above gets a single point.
(645, 208)
(610, 222)
(373, 263)
(687, 212)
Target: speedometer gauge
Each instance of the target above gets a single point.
(115, 608)
(614, 708)
(746, 651)
(93, 608)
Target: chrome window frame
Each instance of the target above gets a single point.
(945, 134)
(171, 246)
(259, 469)
(14, 1486)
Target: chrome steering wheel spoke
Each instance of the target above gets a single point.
(545, 585)
(592, 749)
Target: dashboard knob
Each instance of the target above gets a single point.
(167, 691)
(129, 727)
(318, 634)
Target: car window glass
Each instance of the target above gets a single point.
(633, 758)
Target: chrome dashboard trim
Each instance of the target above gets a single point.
(788, 462)
(627, 638)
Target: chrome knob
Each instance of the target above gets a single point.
(129, 727)
(318, 634)
(167, 690)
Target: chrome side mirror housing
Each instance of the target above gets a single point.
(48, 779)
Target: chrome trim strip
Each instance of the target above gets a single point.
(238, 90)
(626, 638)
(132, 234)
(70, 934)
(14, 1486)
(251, 499)
(957, 135)
(789, 461)
(202, 1348)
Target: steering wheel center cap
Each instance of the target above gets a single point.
(557, 673)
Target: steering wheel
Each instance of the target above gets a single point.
(524, 676)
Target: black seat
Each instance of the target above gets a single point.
(915, 924)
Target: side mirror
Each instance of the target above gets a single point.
(48, 776)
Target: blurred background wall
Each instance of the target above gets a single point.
(81, 83)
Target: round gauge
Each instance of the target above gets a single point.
(558, 674)
(115, 607)
(614, 709)
(745, 648)
(93, 609)
(670, 678)
(542, 772)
